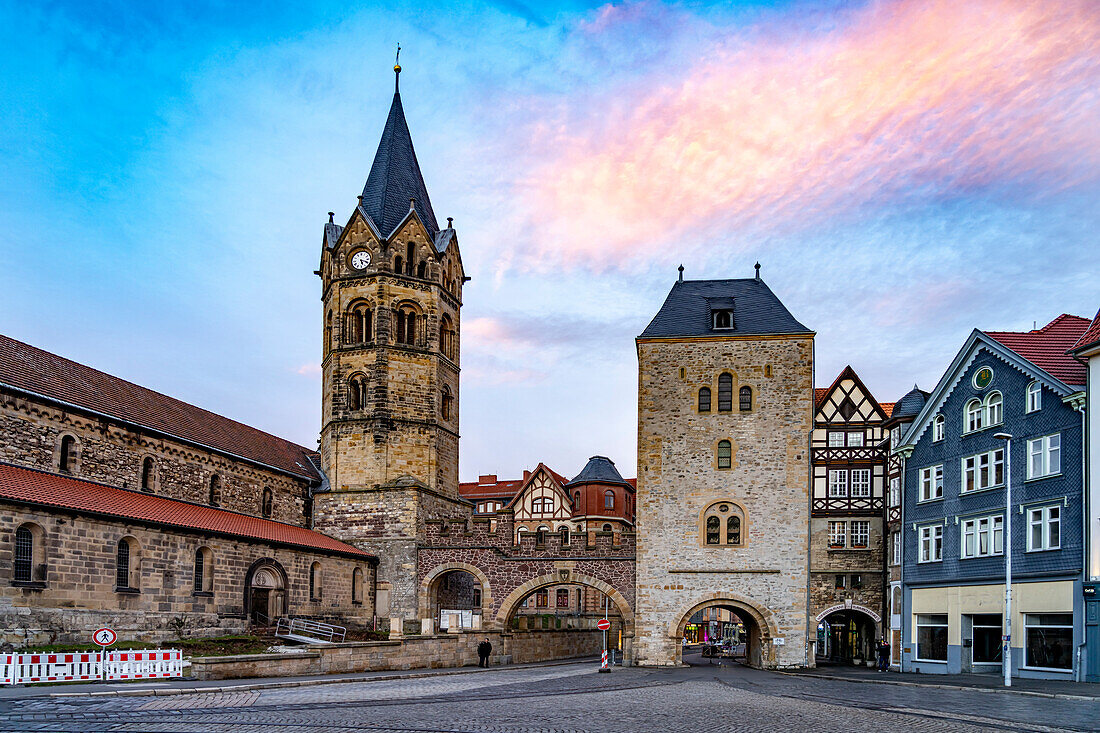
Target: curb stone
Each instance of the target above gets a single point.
(1029, 693)
(247, 687)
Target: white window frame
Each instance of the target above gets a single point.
(975, 531)
(864, 483)
(973, 416)
(838, 534)
(895, 435)
(895, 491)
(1044, 517)
(930, 543)
(855, 438)
(931, 480)
(895, 537)
(1048, 450)
(988, 404)
(835, 439)
(860, 529)
(838, 483)
(1033, 400)
(937, 428)
(979, 465)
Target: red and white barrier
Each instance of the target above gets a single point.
(22, 669)
(57, 667)
(144, 665)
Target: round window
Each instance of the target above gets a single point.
(983, 377)
(724, 508)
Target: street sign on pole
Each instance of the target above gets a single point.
(603, 624)
(104, 636)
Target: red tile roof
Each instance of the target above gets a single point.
(887, 407)
(29, 369)
(28, 486)
(820, 393)
(1091, 335)
(507, 489)
(1046, 347)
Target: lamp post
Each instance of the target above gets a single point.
(1006, 651)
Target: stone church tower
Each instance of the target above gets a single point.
(392, 293)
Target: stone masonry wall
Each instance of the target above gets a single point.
(429, 652)
(766, 578)
(826, 564)
(79, 592)
(31, 432)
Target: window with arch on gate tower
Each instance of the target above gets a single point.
(725, 453)
(725, 392)
(722, 525)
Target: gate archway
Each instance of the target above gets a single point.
(759, 626)
(431, 588)
(510, 604)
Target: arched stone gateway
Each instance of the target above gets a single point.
(265, 591)
(429, 602)
(760, 626)
(508, 606)
(847, 633)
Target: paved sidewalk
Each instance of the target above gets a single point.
(188, 686)
(980, 682)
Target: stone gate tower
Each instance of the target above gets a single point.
(392, 292)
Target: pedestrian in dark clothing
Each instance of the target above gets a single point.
(484, 649)
(883, 655)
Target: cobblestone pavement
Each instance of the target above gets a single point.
(565, 699)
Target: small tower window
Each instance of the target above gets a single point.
(609, 500)
(267, 503)
(725, 392)
(357, 392)
(724, 453)
(447, 337)
(445, 405)
(745, 398)
(721, 524)
(214, 496)
(723, 320)
(422, 269)
(733, 530)
(66, 461)
(410, 252)
(359, 326)
(704, 399)
(714, 530)
(148, 475)
(398, 264)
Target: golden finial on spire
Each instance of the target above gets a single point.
(397, 69)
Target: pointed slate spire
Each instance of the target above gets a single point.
(395, 177)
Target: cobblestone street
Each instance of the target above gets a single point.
(568, 698)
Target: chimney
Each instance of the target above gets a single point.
(487, 478)
(526, 474)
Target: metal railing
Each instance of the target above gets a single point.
(304, 629)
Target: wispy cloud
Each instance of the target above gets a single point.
(898, 103)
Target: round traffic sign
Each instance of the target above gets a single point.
(603, 624)
(104, 636)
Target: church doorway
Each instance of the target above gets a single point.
(265, 593)
(846, 637)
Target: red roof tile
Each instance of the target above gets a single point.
(1091, 335)
(29, 369)
(506, 489)
(820, 393)
(887, 407)
(29, 486)
(1046, 347)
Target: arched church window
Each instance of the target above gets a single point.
(214, 495)
(733, 530)
(422, 269)
(447, 337)
(359, 327)
(714, 530)
(745, 399)
(410, 252)
(704, 399)
(725, 450)
(398, 264)
(148, 475)
(267, 503)
(315, 581)
(357, 392)
(66, 460)
(328, 332)
(446, 402)
(725, 392)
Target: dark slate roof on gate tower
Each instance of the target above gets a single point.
(756, 310)
(395, 178)
(599, 470)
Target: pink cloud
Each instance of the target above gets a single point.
(783, 126)
(312, 369)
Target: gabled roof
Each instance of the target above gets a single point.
(1047, 347)
(1037, 344)
(40, 373)
(395, 178)
(28, 486)
(756, 310)
(1090, 338)
(598, 470)
(821, 396)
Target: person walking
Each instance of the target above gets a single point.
(883, 655)
(484, 649)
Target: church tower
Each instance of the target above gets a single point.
(392, 293)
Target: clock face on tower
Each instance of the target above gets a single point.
(360, 260)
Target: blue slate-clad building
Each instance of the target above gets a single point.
(957, 462)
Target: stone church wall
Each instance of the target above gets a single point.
(110, 453)
(78, 594)
(678, 479)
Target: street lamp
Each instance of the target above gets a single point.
(1006, 651)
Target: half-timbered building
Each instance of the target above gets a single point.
(848, 465)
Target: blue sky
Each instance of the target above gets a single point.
(904, 172)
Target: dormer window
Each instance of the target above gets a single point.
(722, 320)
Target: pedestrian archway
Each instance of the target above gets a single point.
(455, 588)
(511, 605)
(847, 635)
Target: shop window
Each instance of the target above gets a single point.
(1048, 641)
(987, 638)
(932, 637)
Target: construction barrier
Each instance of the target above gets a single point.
(22, 669)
